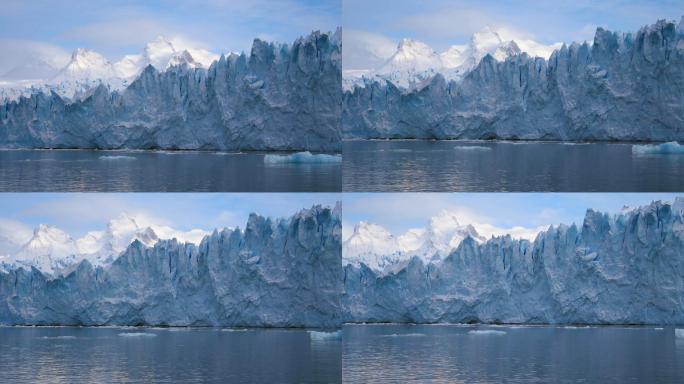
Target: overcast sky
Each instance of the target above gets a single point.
(78, 213)
(398, 212)
(372, 28)
(118, 27)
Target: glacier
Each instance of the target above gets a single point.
(279, 97)
(274, 273)
(626, 268)
(621, 87)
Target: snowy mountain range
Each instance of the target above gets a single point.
(86, 69)
(54, 252)
(383, 252)
(414, 63)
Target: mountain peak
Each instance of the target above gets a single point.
(485, 38)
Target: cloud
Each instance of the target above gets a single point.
(364, 50)
(450, 23)
(13, 234)
(116, 28)
(17, 53)
(120, 33)
(516, 232)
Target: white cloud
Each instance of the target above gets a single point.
(18, 53)
(517, 232)
(452, 23)
(364, 50)
(13, 234)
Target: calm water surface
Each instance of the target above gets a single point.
(447, 166)
(175, 355)
(465, 354)
(159, 171)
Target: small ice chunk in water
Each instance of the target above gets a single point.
(669, 148)
(486, 332)
(320, 335)
(302, 158)
(137, 334)
(119, 157)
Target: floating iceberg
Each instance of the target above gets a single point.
(302, 158)
(404, 335)
(672, 147)
(679, 333)
(58, 337)
(319, 335)
(119, 157)
(472, 148)
(137, 334)
(486, 332)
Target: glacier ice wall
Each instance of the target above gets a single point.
(279, 97)
(622, 269)
(284, 273)
(626, 87)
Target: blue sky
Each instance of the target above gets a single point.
(117, 27)
(77, 213)
(379, 25)
(398, 212)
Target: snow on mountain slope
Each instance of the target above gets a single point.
(376, 247)
(87, 69)
(414, 62)
(53, 251)
(48, 250)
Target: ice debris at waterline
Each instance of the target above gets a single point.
(486, 332)
(471, 148)
(305, 157)
(320, 335)
(279, 97)
(669, 148)
(404, 335)
(137, 334)
(626, 268)
(117, 157)
(583, 92)
(273, 273)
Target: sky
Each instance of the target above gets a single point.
(78, 213)
(398, 212)
(118, 27)
(372, 29)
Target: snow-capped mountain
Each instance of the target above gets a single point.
(87, 69)
(48, 250)
(53, 251)
(376, 247)
(415, 62)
